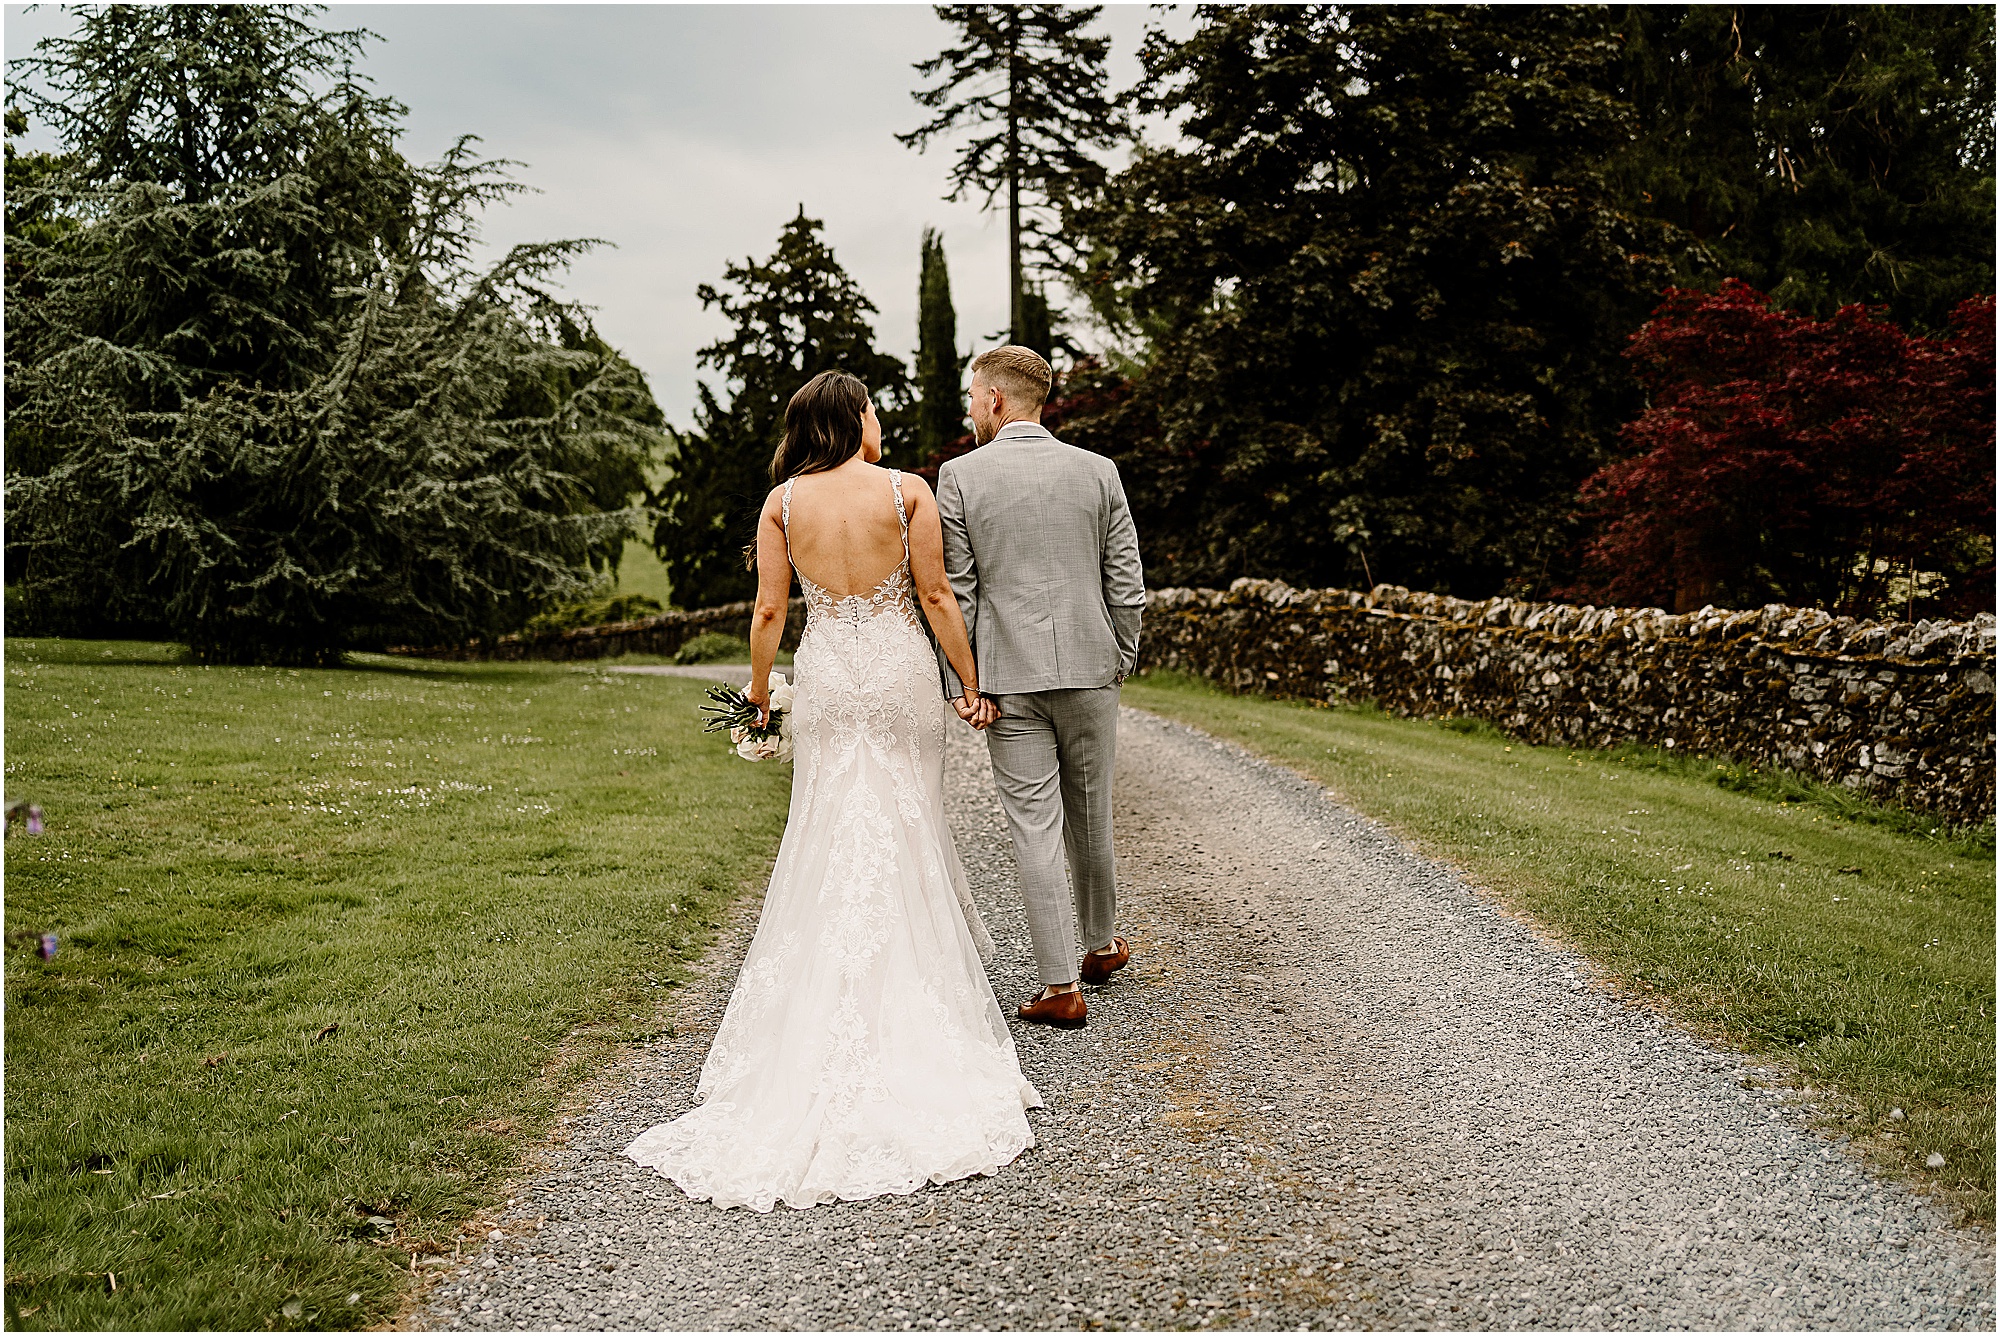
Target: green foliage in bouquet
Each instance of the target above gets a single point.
(257, 392)
(729, 708)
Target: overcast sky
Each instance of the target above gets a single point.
(687, 135)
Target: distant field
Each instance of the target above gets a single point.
(1855, 944)
(332, 944)
(640, 572)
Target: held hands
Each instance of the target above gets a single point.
(975, 709)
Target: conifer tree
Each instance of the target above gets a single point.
(940, 397)
(795, 314)
(1826, 154)
(32, 221)
(1031, 86)
(274, 405)
(1386, 286)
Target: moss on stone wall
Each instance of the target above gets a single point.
(1903, 712)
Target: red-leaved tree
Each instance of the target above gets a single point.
(1840, 463)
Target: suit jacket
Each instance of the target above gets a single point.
(1040, 548)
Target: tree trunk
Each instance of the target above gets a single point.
(1694, 574)
(1014, 321)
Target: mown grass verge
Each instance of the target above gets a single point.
(332, 944)
(1852, 942)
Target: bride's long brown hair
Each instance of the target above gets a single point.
(822, 431)
(822, 426)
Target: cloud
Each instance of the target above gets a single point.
(688, 135)
(689, 203)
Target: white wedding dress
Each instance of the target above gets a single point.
(862, 1051)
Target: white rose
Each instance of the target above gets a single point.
(782, 693)
(757, 749)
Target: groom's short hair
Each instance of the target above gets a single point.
(1019, 373)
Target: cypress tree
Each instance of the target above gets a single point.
(1036, 330)
(1031, 85)
(940, 399)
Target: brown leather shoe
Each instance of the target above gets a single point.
(1065, 1011)
(1097, 968)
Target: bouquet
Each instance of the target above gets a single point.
(732, 709)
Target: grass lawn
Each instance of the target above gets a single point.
(332, 944)
(640, 572)
(1851, 943)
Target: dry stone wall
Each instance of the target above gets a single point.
(1902, 711)
(664, 635)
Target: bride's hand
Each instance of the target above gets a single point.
(967, 706)
(759, 695)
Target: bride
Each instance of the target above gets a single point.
(862, 1051)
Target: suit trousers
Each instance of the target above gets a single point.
(1053, 757)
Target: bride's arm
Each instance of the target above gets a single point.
(934, 589)
(774, 591)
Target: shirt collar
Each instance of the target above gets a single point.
(1022, 429)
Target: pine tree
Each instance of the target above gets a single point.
(1826, 154)
(940, 397)
(275, 407)
(1031, 86)
(1386, 288)
(795, 315)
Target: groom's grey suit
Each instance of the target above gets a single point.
(1040, 548)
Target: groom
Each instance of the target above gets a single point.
(1042, 554)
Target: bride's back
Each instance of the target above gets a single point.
(844, 534)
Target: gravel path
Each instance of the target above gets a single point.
(718, 672)
(1336, 1088)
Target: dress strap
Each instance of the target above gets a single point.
(785, 523)
(902, 515)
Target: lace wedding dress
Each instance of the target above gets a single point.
(862, 1051)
